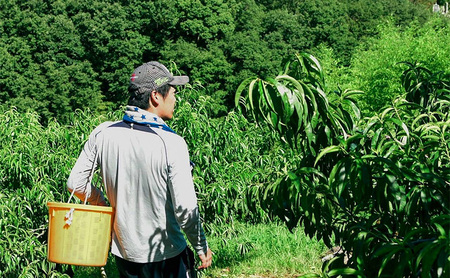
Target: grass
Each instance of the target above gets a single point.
(245, 250)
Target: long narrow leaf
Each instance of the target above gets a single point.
(269, 98)
(240, 89)
(327, 150)
(250, 93)
(345, 271)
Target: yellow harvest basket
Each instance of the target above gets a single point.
(79, 234)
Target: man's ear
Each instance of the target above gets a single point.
(154, 99)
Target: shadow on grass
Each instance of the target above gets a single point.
(244, 250)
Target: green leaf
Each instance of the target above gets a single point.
(327, 150)
(240, 89)
(399, 123)
(267, 95)
(345, 271)
(386, 111)
(250, 93)
(375, 138)
(441, 229)
(354, 107)
(429, 246)
(430, 258)
(431, 138)
(349, 93)
(288, 100)
(298, 91)
(387, 258)
(275, 97)
(310, 275)
(352, 139)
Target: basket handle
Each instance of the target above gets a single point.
(91, 175)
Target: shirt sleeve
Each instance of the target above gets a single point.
(79, 179)
(183, 196)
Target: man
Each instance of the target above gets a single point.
(146, 172)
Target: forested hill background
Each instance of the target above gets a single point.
(57, 56)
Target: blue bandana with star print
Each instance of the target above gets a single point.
(134, 114)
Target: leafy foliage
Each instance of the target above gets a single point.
(58, 56)
(376, 187)
(375, 67)
(35, 161)
(230, 153)
(34, 165)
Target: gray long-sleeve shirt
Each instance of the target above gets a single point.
(147, 179)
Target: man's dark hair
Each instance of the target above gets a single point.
(140, 97)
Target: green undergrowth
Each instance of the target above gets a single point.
(247, 250)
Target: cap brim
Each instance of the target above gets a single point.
(179, 80)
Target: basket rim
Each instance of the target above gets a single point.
(80, 207)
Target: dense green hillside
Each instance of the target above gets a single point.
(58, 56)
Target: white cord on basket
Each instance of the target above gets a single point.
(69, 216)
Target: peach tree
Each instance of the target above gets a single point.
(377, 187)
